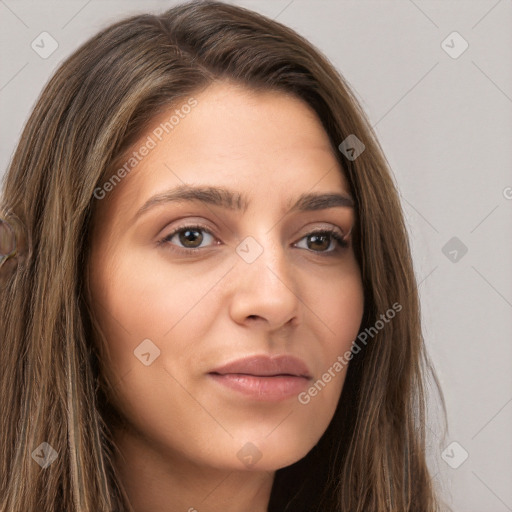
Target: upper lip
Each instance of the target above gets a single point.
(266, 366)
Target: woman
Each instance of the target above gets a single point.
(208, 294)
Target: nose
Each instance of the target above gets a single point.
(265, 292)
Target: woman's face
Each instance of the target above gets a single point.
(243, 275)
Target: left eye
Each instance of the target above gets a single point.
(322, 241)
(319, 238)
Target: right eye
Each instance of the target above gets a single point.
(190, 237)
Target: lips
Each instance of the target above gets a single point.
(266, 366)
(263, 378)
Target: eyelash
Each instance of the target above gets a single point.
(340, 240)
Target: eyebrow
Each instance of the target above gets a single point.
(235, 201)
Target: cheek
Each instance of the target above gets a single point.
(338, 304)
(344, 309)
(130, 303)
(135, 299)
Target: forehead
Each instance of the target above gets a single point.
(263, 143)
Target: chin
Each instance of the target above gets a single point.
(273, 452)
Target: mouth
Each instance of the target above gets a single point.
(263, 377)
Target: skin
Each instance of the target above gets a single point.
(184, 430)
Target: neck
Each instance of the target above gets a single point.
(168, 482)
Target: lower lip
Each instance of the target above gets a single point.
(269, 388)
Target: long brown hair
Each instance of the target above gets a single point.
(100, 100)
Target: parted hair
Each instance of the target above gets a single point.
(372, 457)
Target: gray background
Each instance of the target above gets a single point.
(445, 126)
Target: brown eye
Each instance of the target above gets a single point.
(320, 241)
(189, 237)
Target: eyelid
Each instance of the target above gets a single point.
(334, 231)
(190, 225)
